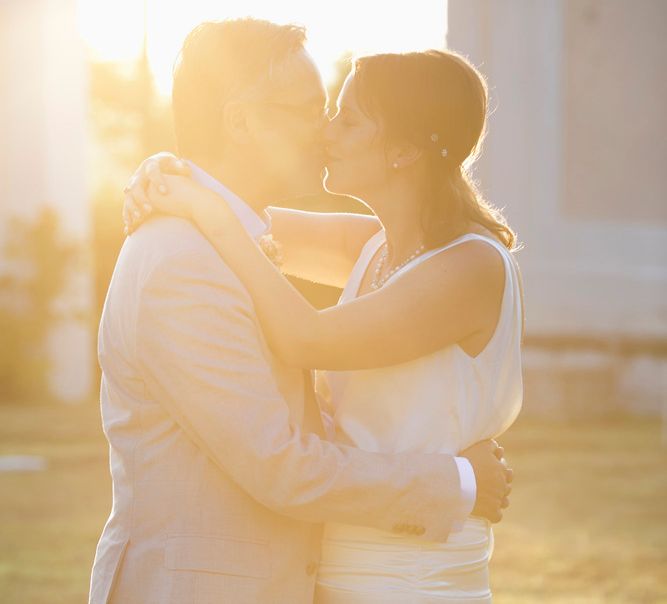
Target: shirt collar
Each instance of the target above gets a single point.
(252, 223)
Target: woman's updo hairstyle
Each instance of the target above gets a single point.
(437, 101)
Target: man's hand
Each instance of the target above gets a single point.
(493, 479)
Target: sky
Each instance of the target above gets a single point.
(114, 30)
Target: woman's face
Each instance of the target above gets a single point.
(356, 154)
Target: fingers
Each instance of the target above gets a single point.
(136, 208)
(126, 210)
(509, 474)
(154, 177)
(149, 177)
(490, 505)
(496, 516)
(141, 201)
(491, 511)
(170, 164)
(505, 500)
(496, 449)
(131, 213)
(155, 170)
(185, 169)
(182, 168)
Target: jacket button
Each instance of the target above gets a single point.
(420, 530)
(311, 569)
(398, 528)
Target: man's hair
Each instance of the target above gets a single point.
(219, 60)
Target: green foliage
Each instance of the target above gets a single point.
(129, 121)
(40, 262)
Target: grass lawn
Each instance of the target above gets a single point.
(588, 521)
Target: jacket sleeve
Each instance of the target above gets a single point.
(199, 350)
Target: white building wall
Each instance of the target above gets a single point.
(43, 112)
(576, 140)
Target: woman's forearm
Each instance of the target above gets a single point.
(321, 246)
(289, 322)
(444, 300)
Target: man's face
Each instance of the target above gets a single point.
(286, 124)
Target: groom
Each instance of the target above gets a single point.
(221, 474)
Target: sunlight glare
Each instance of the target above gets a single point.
(114, 31)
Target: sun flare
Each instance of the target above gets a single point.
(115, 31)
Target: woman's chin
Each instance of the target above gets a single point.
(333, 183)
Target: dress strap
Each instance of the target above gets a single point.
(459, 240)
(511, 312)
(359, 270)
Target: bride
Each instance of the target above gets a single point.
(422, 352)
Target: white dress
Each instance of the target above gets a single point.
(443, 402)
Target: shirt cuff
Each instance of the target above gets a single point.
(468, 487)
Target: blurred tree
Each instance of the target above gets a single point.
(40, 263)
(129, 122)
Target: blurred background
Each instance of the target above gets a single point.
(574, 153)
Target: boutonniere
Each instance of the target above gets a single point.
(272, 249)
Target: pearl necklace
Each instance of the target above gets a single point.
(378, 281)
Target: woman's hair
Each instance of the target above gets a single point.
(437, 101)
(218, 60)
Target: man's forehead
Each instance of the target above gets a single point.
(296, 78)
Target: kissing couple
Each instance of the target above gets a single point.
(238, 477)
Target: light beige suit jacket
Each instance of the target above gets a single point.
(219, 492)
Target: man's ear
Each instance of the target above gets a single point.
(403, 155)
(234, 122)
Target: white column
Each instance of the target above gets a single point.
(576, 137)
(43, 115)
(598, 275)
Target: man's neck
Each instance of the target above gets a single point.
(238, 179)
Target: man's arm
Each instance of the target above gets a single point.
(199, 349)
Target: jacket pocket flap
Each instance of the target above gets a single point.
(222, 555)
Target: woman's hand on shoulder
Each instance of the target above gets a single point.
(184, 197)
(176, 196)
(153, 173)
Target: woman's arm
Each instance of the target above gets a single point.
(317, 246)
(321, 247)
(442, 301)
